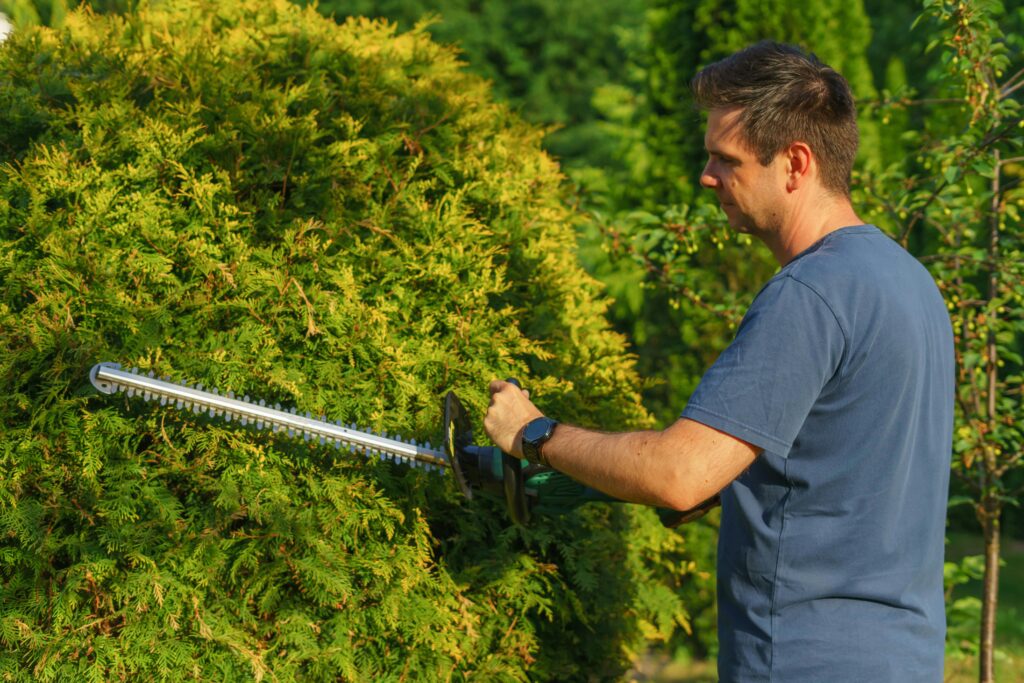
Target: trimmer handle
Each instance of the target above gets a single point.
(486, 468)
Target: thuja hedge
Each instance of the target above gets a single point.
(339, 219)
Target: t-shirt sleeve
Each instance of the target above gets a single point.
(762, 387)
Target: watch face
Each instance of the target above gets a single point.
(538, 430)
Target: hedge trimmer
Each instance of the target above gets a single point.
(525, 488)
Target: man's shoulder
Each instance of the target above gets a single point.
(850, 251)
(861, 265)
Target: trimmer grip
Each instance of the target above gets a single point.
(515, 491)
(670, 519)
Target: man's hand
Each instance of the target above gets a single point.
(509, 412)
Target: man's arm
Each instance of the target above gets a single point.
(679, 467)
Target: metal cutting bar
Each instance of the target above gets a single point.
(109, 378)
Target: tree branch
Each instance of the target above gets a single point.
(1003, 94)
(1010, 82)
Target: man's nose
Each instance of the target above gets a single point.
(708, 180)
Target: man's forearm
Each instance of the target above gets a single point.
(633, 466)
(679, 467)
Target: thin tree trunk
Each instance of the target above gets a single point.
(990, 592)
(991, 507)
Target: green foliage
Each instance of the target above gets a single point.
(337, 218)
(963, 613)
(544, 57)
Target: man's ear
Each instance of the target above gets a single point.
(801, 165)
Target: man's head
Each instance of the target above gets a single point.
(782, 96)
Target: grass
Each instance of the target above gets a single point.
(657, 668)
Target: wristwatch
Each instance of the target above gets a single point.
(535, 433)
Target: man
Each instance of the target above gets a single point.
(826, 425)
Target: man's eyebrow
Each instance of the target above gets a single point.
(717, 152)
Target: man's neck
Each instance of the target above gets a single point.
(806, 225)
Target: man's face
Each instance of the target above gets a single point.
(750, 194)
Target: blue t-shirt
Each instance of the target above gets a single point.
(831, 545)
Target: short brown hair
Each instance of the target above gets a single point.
(786, 95)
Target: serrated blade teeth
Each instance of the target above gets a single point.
(372, 444)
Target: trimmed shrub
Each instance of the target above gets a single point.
(338, 218)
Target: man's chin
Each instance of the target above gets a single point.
(739, 224)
